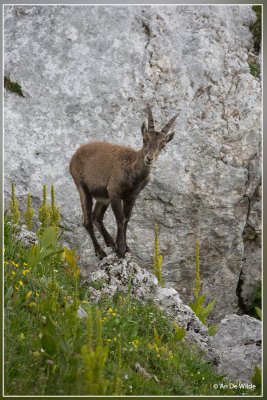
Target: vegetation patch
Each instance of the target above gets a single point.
(13, 86)
(121, 346)
(254, 69)
(256, 29)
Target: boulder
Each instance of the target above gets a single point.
(238, 343)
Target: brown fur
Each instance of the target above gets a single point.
(115, 175)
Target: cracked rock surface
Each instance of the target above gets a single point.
(87, 72)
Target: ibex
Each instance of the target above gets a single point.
(113, 174)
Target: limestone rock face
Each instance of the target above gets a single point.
(87, 72)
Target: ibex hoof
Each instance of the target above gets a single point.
(120, 253)
(101, 254)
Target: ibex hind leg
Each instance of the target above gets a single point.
(98, 215)
(87, 205)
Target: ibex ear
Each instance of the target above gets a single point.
(143, 128)
(169, 137)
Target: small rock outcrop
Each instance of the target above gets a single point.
(235, 348)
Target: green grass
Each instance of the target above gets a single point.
(13, 86)
(44, 337)
(254, 69)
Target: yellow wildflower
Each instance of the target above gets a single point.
(158, 355)
(120, 297)
(134, 308)
(24, 272)
(114, 314)
(21, 283)
(84, 301)
(110, 310)
(14, 273)
(135, 346)
(21, 336)
(114, 339)
(25, 264)
(37, 294)
(36, 353)
(16, 288)
(108, 340)
(6, 262)
(32, 304)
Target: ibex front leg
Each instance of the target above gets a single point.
(127, 211)
(116, 206)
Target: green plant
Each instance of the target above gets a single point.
(254, 69)
(14, 207)
(258, 311)
(98, 285)
(29, 213)
(44, 212)
(179, 333)
(71, 268)
(254, 309)
(256, 379)
(197, 306)
(117, 382)
(54, 210)
(158, 259)
(13, 86)
(94, 360)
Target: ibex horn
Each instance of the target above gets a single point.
(150, 119)
(167, 127)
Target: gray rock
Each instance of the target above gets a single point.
(238, 342)
(87, 73)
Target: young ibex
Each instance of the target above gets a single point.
(113, 174)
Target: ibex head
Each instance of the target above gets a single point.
(153, 141)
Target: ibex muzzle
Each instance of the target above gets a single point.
(115, 175)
